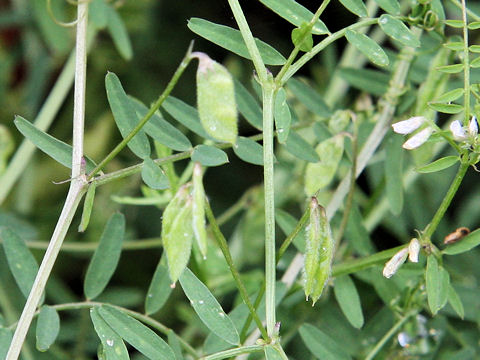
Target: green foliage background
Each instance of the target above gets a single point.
(32, 51)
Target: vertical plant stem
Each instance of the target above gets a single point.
(268, 95)
(432, 226)
(466, 65)
(228, 257)
(249, 40)
(75, 192)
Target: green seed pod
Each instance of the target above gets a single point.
(198, 210)
(318, 175)
(318, 253)
(216, 99)
(177, 232)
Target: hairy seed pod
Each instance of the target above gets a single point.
(318, 252)
(216, 99)
(198, 210)
(177, 232)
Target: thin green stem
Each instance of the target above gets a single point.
(171, 84)
(143, 318)
(466, 66)
(296, 49)
(353, 266)
(319, 47)
(389, 334)
(469, 12)
(268, 95)
(432, 226)
(222, 242)
(249, 40)
(234, 352)
(286, 243)
(75, 193)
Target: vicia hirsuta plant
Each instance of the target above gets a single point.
(322, 148)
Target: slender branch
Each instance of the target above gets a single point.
(236, 276)
(319, 47)
(249, 40)
(389, 334)
(296, 49)
(432, 226)
(466, 65)
(268, 95)
(171, 84)
(233, 352)
(75, 192)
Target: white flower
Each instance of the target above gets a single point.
(458, 131)
(395, 262)
(413, 250)
(473, 127)
(418, 139)
(408, 126)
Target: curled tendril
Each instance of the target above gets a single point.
(61, 23)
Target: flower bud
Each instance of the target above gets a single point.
(395, 262)
(408, 126)
(418, 139)
(413, 250)
(458, 131)
(473, 127)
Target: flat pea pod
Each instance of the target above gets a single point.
(320, 246)
(216, 103)
(177, 232)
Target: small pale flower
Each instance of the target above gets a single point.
(408, 126)
(418, 139)
(458, 131)
(413, 250)
(395, 262)
(473, 127)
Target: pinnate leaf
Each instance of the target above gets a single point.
(125, 116)
(438, 165)
(437, 281)
(20, 260)
(283, 117)
(397, 30)
(297, 146)
(48, 327)
(158, 291)
(321, 345)
(347, 297)
(208, 308)
(355, 6)
(367, 47)
(113, 346)
(154, 176)
(136, 334)
(295, 14)
(106, 256)
(231, 39)
(51, 146)
(249, 150)
(209, 155)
